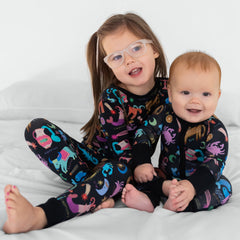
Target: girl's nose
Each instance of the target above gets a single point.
(128, 59)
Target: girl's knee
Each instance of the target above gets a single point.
(114, 170)
(33, 125)
(122, 170)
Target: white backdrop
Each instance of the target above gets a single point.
(46, 39)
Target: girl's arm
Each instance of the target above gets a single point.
(114, 126)
(146, 137)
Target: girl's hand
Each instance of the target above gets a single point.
(144, 173)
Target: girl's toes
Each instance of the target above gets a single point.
(15, 190)
(7, 189)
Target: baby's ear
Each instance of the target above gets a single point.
(220, 92)
(169, 93)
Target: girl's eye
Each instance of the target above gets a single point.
(185, 92)
(115, 58)
(136, 48)
(206, 94)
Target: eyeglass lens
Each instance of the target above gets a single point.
(136, 49)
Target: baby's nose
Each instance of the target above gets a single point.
(195, 100)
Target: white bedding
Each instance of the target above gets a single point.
(20, 167)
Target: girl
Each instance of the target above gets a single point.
(128, 73)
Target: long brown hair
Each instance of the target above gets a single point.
(101, 75)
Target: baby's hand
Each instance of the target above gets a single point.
(144, 173)
(187, 193)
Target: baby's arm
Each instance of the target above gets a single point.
(144, 172)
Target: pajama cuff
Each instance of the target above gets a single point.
(140, 154)
(153, 189)
(55, 211)
(156, 192)
(202, 180)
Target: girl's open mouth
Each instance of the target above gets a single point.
(135, 71)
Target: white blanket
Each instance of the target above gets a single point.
(19, 166)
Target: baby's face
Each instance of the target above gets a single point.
(194, 93)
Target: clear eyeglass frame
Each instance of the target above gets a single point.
(135, 49)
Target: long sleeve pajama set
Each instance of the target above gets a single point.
(97, 170)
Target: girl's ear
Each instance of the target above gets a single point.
(155, 54)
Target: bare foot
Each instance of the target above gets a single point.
(166, 187)
(133, 198)
(22, 216)
(173, 192)
(109, 203)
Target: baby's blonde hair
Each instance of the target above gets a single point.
(195, 59)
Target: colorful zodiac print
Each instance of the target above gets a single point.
(98, 169)
(43, 140)
(65, 158)
(169, 135)
(62, 159)
(193, 151)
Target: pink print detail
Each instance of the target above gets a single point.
(30, 144)
(225, 199)
(62, 159)
(224, 133)
(169, 135)
(216, 148)
(190, 155)
(119, 187)
(119, 147)
(65, 154)
(79, 208)
(208, 199)
(125, 132)
(120, 120)
(43, 139)
(101, 139)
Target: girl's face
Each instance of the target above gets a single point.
(194, 93)
(135, 74)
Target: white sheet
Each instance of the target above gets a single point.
(20, 167)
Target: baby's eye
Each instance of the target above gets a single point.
(206, 94)
(185, 92)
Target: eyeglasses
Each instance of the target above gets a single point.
(135, 49)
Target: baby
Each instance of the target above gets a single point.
(194, 143)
